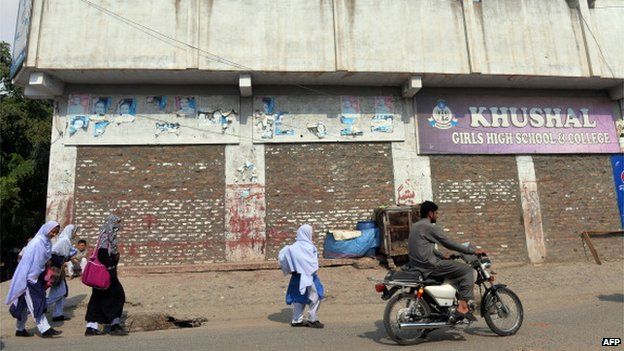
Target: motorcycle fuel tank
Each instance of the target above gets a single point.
(443, 294)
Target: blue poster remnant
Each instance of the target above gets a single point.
(617, 163)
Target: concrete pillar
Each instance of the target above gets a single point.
(62, 172)
(531, 211)
(591, 39)
(474, 37)
(245, 204)
(412, 173)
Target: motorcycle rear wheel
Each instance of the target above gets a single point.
(396, 312)
(503, 311)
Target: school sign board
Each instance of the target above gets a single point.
(20, 43)
(460, 124)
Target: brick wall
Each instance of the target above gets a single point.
(479, 200)
(331, 186)
(171, 200)
(577, 193)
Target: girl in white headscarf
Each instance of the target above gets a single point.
(300, 260)
(27, 290)
(61, 253)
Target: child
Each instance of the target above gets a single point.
(300, 260)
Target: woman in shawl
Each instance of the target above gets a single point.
(300, 260)
(61, 253)
(27, 290)
(106, 305)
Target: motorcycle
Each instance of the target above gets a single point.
(417, 306)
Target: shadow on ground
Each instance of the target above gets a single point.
(284, 316)
(380, 336)
(613, 298)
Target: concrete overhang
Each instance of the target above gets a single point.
(395, 79)
(43, 86)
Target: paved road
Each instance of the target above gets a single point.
(574, 324)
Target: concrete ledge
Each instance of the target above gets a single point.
(220, 267)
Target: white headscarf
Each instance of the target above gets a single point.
(63, 244)
(33, 262)
(300, 257)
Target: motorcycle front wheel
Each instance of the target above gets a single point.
(503, 311)
(405, 308)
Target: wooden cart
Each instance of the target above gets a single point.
(395, 223)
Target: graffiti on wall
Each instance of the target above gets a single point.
(406, 193)
(245, 222)
(61, 209)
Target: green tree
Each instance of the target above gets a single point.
(25, 127)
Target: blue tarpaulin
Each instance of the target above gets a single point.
(363, 245)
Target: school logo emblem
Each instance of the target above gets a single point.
(442, 116)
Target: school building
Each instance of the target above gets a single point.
(216, 128)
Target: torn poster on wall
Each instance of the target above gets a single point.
(157, 102)
(100, 107)
(268, 122)
(76, 123)
(165, 127)
(78, 104)
(350, 107)
(185, 106)
(247, 173)
(319, 129)
(217, 117)
(100, 128)
(619, 128)
(383, 120)
(382, 123)
(126, 111)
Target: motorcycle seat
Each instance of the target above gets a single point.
(413, 277)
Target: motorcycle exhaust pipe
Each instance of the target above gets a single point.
(408, 326)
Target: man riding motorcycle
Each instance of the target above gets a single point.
(424, 257)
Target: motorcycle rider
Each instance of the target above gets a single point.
(432, 263)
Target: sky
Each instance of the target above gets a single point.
(8, 13)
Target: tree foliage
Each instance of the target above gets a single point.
(25, 127)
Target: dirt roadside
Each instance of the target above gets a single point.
(257, 297)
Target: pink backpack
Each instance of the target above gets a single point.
(95, 274)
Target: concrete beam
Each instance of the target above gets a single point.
(43, 86)
(617, 92)
(244, 83)
(412, 86)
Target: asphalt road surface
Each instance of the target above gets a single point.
(576, 323)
